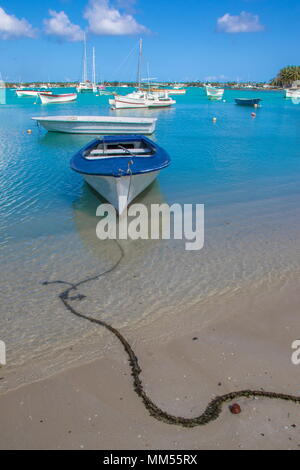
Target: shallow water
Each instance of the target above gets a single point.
(245, 170)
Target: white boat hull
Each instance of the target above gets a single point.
(121, 102)
(46, 99)
(214, 93)
(98, 124)
(30, 93)
(292, 93)
(120, 192)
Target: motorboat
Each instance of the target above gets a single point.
(120, 167)
(97, 124)
(32, 93)
(292, 93)
(214, 93)
(61, 98)
(248, 101)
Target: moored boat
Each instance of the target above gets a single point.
(214, 93)
(119, 168)
(292, 93)
(97, 124)
(33, 93)
(141, 99)
(61, 98)
(248, 101)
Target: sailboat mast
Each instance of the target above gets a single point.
(139, 64)
(84, 61)
(94, 67)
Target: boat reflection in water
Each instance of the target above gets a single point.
(86, 220)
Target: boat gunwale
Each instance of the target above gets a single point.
(160, 159)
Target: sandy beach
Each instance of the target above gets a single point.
(245, 343)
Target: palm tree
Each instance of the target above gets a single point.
(287, 76)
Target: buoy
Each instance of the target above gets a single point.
(29, 131)
(214, 119)
(253, 115)
(255, 105)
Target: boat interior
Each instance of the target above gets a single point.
(135, 148)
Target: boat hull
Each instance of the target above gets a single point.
(126, 103)
(120, 192)
(46, 98)
(247, 102)
(32, 93)
(98, 125)
(214, 93)
(292, 93)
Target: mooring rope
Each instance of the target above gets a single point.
(214, 407)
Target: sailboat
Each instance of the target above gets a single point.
(141, 98)
(85, 85)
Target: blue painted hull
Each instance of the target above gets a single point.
(247, 102)
(118, 166)
(112, 168)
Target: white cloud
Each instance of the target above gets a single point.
(60, 26)
(242, 23)
(108, 20)
(12, 27)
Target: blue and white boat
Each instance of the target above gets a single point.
(248, 101)
(120, 167)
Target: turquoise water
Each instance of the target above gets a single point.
(245, 170)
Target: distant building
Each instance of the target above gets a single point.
(296, 84)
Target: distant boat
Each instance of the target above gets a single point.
(97, 124)
(119, 168)
(33, 93)
(86, 85)
(214, 93)
(141, 98)
(248, 101)
(62, 98)
(292, 93)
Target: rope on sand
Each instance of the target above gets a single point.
(213, 409)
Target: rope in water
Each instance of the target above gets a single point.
(213, 409)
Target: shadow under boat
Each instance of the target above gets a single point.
(85, 220)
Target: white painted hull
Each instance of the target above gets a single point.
(120, 192)
(30, 93)
(121, 102)
(46, 99)
(292, 93)
(98, 124)
(214, 93)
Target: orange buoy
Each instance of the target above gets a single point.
(29, 131)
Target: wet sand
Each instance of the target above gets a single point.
(243, 342)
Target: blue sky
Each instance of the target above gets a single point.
(195, 39)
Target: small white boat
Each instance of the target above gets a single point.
(292, 93)
(214, 93)
(62, 98)
(141, 99)
(120, 167)
(97, 124)
(33, 93)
